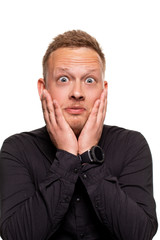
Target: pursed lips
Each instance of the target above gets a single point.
(75, 110)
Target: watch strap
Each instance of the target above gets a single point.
(94, 155)
(86, 157)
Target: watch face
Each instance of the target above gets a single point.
(98, 154)
(94, 155)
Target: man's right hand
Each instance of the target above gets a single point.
(59, 130)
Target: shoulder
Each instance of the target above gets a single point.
(123, 140)
(29, 149)
(27, 136)
(24, 140)
(119, 134)
(124, 147)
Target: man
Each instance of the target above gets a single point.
(76, 178)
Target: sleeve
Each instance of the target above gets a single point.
(125, 204)
(29, 213)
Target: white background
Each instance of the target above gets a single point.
(129, 33)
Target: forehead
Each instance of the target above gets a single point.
(75, 57)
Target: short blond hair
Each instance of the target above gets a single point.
(72, 39)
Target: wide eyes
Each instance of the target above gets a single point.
(63, 79)
(90, 80)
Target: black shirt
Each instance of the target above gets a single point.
(47, 194)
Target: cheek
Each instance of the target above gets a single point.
(59, 95)
(93, 96)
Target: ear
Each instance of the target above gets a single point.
(41, 86)
(106, 84)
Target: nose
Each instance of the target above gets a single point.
(77, 92)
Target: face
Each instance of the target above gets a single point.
(75, 80)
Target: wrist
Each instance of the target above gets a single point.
(93, 155)
(71, 151)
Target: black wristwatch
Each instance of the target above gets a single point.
(94, 155)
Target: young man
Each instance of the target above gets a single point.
(76, 178)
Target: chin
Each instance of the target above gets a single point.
(77, 132)
(76, 122)
(76, 126)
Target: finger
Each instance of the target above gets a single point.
(45, 112)
(48, 108)
(59, 115)
(102, 100)
(102, 107)
(105, 103)
(95, 109)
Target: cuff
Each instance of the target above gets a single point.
(66, 165)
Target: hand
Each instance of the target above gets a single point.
(59, 130)
(92, 130)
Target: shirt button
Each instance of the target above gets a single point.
(75, 170)
(84, 176)
(78, 199)
(82, 235)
